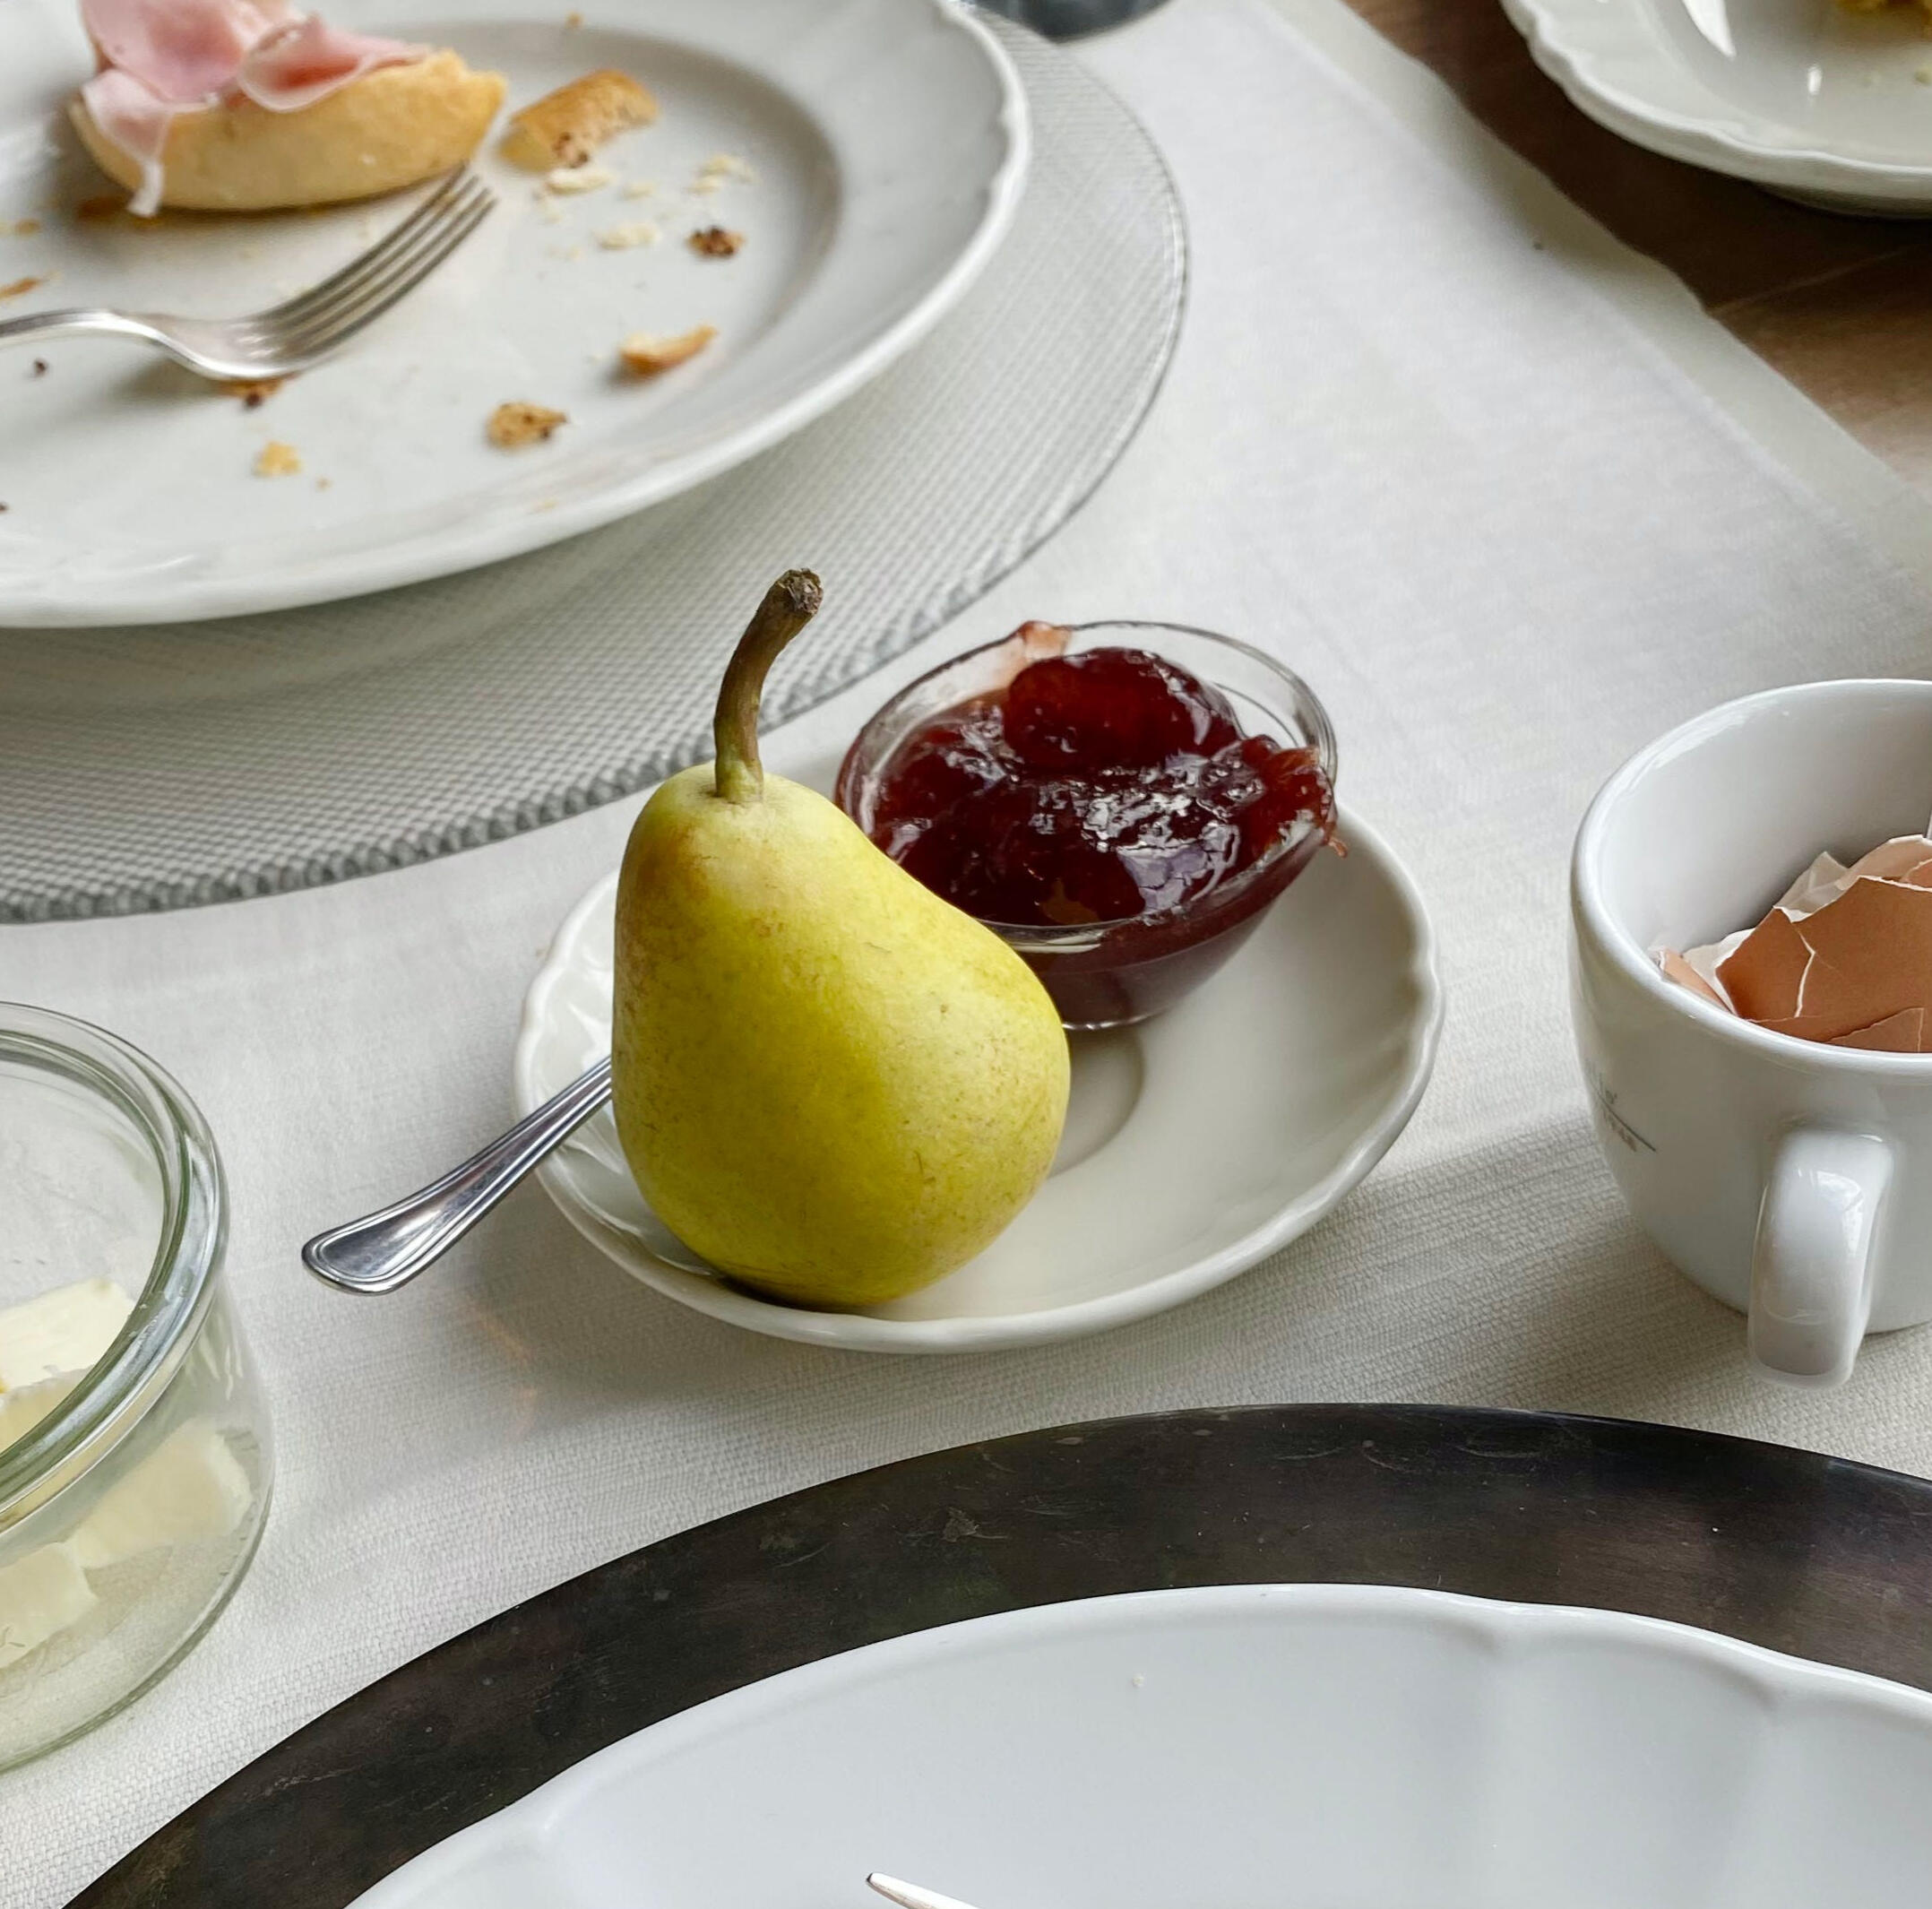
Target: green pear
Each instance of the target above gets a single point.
(832, 1083)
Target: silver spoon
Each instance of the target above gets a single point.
(389, 1249)
(908, 1895)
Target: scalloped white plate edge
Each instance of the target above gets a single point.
(1753, 150)
(541, 1821)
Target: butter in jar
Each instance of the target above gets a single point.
(134, 1462)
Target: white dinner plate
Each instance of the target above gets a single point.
(1252, 1746)
(1196, 1144)
(1803, 95)
(888, 141)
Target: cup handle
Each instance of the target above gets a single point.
(1811, 1266)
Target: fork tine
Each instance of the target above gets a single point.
(430, 209)
(354, 283)
(319, 336)
(405, 267)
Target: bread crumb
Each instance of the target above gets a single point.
(277, 459)
(322, 483)
(22, 228)
(639, 189)
(704, 187)
(712, 241)
(20, 287)
(726, 166)
(514, 425)
(621, 237)
(647, 355)
(571, 179)
(564, 127)
(252, 392)
(572, 19)
(40, 368)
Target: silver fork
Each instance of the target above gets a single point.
(303, 330)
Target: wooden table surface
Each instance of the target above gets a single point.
(1841, 306)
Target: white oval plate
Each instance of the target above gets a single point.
(1196, 1144)
(889, 142)
(1293, 1746)
(1799, 95)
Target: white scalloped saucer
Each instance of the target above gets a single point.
(1196, 1144)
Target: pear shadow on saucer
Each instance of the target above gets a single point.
(589, 1324)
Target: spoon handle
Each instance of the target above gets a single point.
(389, 1249)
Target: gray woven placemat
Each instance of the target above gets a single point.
(165, 767)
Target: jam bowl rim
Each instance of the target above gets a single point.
(1304, 709)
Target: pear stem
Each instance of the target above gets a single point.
(788, 607)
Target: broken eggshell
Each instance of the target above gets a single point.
(1844, 957)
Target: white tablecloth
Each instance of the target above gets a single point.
(1416, 442)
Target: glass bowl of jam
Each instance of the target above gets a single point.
(1118, 802)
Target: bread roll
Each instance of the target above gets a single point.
(389, 128)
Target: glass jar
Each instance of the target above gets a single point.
(136, 1478)
(1104, 974)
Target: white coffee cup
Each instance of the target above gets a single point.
(1791, 1180)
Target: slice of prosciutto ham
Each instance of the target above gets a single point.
(294, 66)
(161, 57)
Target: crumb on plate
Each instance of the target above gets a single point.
(726, 166)
(573, 18)
(564, 127)
(514, 425)
(577, 178)
(622, 237)
(276, 459)
(21, 228)
(712, 241)
(20, 287)
(40, 369)
(646, 355)
(639, 189)
(252, 392)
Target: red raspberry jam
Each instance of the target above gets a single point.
(1104, 786)
(1091, 794)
